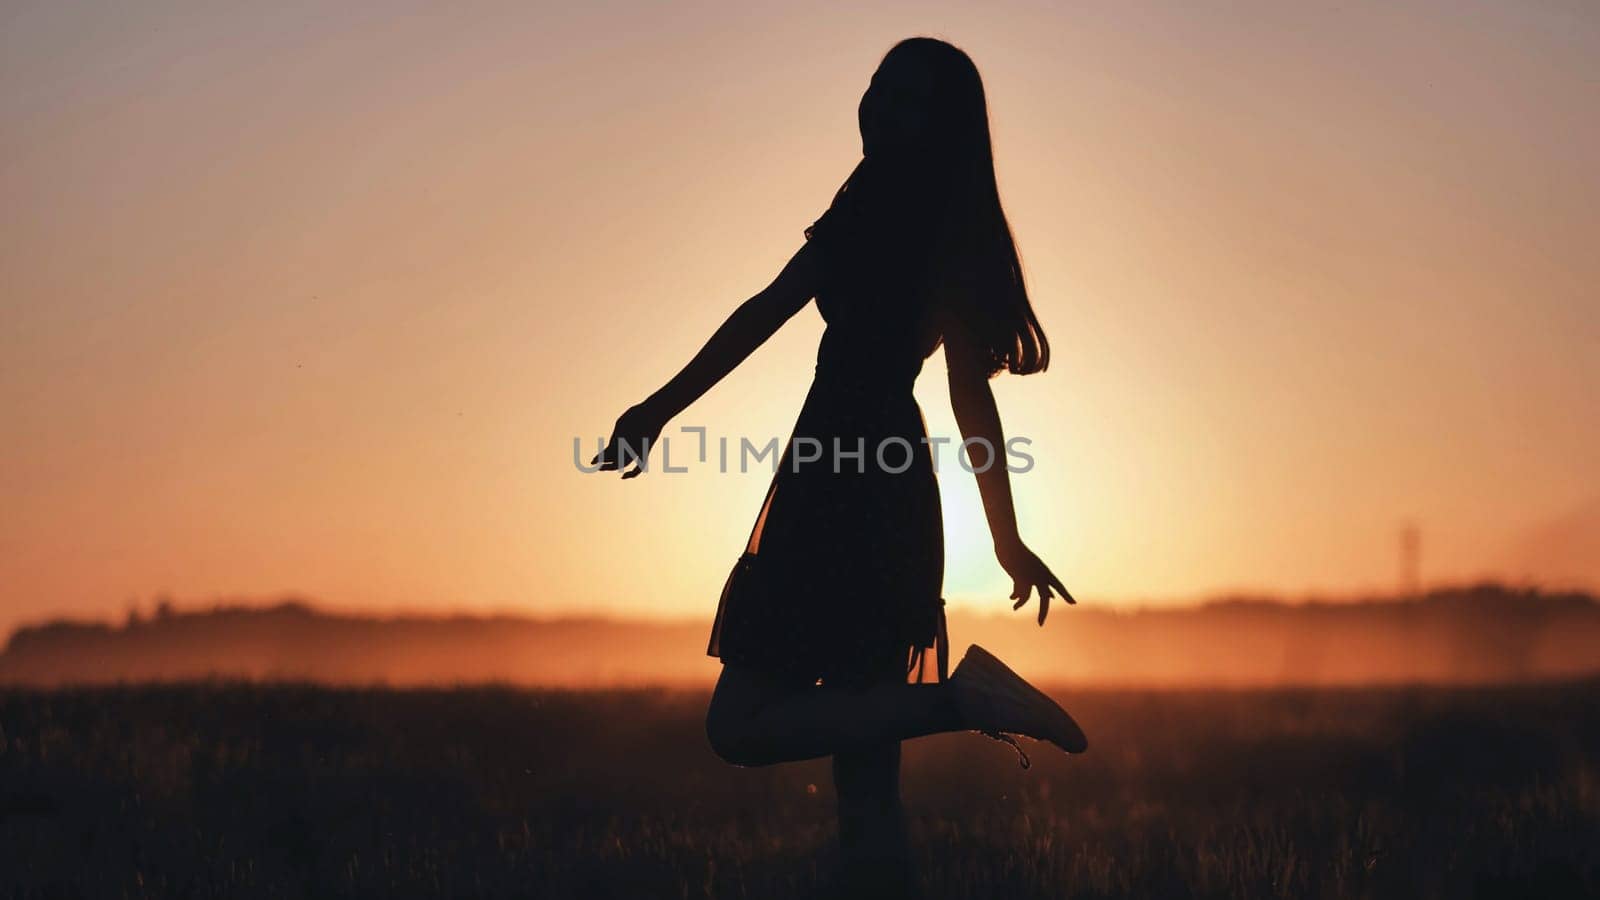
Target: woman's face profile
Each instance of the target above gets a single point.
(894, 111)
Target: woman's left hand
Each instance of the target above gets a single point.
(1028, 571)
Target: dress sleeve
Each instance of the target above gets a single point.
(821, 228)
(820, 237)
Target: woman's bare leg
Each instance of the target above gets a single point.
(754, 721)
(873, 844)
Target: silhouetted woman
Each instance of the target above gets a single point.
(827, 615)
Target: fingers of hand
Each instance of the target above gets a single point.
(606, 458)
(618, 455)
(1065, 595)
(1044, 599)
(1019, 592)
(1061, 588)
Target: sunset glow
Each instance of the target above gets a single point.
(316, 298)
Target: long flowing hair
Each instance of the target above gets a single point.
(971, 270)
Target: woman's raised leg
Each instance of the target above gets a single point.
(755, 721)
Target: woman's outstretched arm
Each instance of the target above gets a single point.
(978, 417)
(747, 328)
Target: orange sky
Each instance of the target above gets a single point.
(315, 297)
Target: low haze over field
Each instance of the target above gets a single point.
(1480, 635)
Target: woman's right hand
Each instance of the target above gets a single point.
(636, 431)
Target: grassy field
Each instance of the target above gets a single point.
(295, 791)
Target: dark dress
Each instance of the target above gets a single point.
(840, 581)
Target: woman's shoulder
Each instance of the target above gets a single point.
(832, 223)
